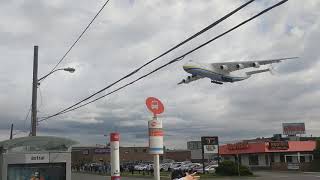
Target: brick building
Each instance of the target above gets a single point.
(82, 155)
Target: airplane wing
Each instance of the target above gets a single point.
(234, 66)
(190, 79)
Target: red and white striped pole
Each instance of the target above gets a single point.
(115, 160)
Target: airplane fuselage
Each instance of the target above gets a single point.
(216, 75)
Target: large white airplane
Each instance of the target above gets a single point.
(220, 73)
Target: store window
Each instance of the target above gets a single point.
(282, 158)
(289, 159)
(253, 159)
(267, 159)
(272, 158)
(53, 171)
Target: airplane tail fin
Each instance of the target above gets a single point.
(258, 71)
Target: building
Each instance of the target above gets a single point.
(280, 155)
(90, 154)
(24, 157)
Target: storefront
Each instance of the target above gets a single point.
(281, 155)
(47, 158)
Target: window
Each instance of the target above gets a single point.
(289, 159)
(282, 158)
(135, 150)
(267, 159)
(302, 159)
(144, 150)
(253, 159)
(56, 171)
(272, 158)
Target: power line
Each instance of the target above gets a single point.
(26, 118)
(79, 37)
(172, 61)
(166, 52)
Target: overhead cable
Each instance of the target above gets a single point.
(79, 37)
(172, 61)
(166, 52)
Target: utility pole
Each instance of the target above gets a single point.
(34, 93)
(11, 136)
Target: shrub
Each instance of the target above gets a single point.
(229, 168)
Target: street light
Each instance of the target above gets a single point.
(68, 69)
(35, 84)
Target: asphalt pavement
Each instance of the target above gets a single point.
(261, 175)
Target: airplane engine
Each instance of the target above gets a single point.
(224, 67)
(240, 66)
(256, 65)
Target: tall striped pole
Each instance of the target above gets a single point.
(115, 160)
(156, 144)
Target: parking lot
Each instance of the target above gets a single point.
(260, 175)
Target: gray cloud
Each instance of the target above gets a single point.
(127, 34)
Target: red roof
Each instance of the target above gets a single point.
(262, 147)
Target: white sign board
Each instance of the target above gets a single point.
(210, 149)
(292, 166)
(37, 158)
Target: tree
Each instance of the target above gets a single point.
(316, 155)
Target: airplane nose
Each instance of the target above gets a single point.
(184, 67)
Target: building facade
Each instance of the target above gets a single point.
(282, 155)
(83, 155)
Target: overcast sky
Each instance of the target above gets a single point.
(127, 34)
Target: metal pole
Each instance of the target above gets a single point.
(11, 136)
(34, 93)
(238, 164)
(156, 168)
(203, 167)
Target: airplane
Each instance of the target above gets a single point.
(220, 73)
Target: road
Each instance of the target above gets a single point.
(261, 175)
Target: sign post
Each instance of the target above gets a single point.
(115, 161)
(155, 134)
(210, 145)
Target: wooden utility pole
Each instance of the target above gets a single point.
(34, 93)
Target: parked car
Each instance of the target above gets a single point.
(208, 169)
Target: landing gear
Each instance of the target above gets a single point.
(217, 82)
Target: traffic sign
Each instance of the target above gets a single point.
(154, 105)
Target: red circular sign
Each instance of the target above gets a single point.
(154, 105)
(114, 137)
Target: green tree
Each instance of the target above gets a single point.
(316, 155)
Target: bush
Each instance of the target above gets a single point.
(316, 162)
(229, 168)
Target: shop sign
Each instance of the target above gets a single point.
(37, 158)
(278, 145)
(238, 146)
(293, 128)
(212, 140)
(85, 152)
(102, 150)
(210, 144)
(211, 149)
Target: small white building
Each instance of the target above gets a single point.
(36, 156)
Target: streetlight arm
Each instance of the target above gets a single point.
(71, 70)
